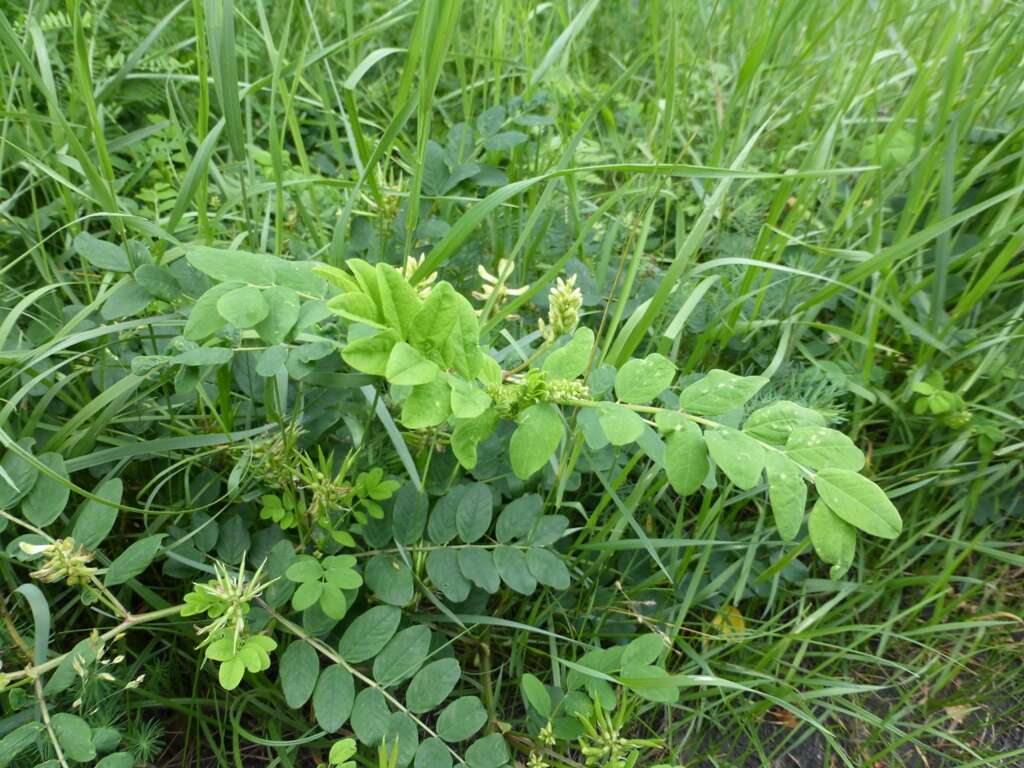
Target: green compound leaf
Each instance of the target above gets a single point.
(461, 719)
(547, 568)
(535, 439)
(445, 573)
(859, 502)
(432, 684)
(477, 565)
(473, 512)
(640, 381)
(774, 423)
(834, 539)
(390, 579)
(402, 656)
(686, 458)
(469, 433)
(719, 392)
(739, 456)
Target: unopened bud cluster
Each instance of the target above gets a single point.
(63, 559)
(564, 304)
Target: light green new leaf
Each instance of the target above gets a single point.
(834, 539)
(739, 456)
(48, 496)
(821, 448)
(620, 425)
(469, 433)
(787, 493)
(243, 307)
(370, 354)
(773, 423)
(535, 439)
(427, 405)
(686, 458)
(571, 360)
(133, 560)
(468, 400)
(436, 320)
(399, 302)
(719, 392)
(640, 381)
(406, 365)
(859, 502)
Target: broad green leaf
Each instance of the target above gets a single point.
(127, 299)
(535, 439)
(651, 683)
(719, 392)
(468, 400)
(640, 381)
(298, 670)
(370, 717)
(283, 312)
(436, 320)
(100, 253)
(243, 307)
(549, 529)
(399, 303)
(644, 649)
(773, 423)
(158, 281)
(473, 512)
(117, 760)
(443, 570)
(368, 633)
(461, 719)
(432, 753)
(402, 656)
(370, 354)
(431, 685)
(333, 697)
(571, 360)
(547, 568)
(271, 360)
(441, 525)
(477, 565)
(307, 595)
(304, 568)
(204, 319)
(409, 515)
(787, 493)
(133, 560)
(820, 448)
(469, 433)
(686, 458)
(74, 736)
(489, 752)
(514, 570)
(517, 519)
(620, 425)
(859, 502)
(48, 496)
(95, 519)
(833, 538)
(402, 738)
(230, 266)
(461, 351)
(739, 456)
(17, 475)
(427, 405)
(23, 737)
(231, 671)
(407, 365)
(390, 579)
(357, 307)
(536, 694)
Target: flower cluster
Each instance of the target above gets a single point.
(64, 559)
(565, 301)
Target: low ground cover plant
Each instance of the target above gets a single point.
(412, 385)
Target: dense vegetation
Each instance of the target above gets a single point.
(545, 384)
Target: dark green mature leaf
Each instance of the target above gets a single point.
(640, 381)
(402, 738)
(23, 737)
(461, 719)
(402, 656)
(686, 458)
(468, 400)
(283, 312)
(571, 360)
(517, 519)
(298, 669)
(74, 736)
(489, 752)
(514, 570)
(409, 515)
(117, 760)
(127, 299)
(719, 392)
(48, 496)
(100, 253)
(433, 753)
(536, 694)
(821, 448)
(370, 717)
(859, 502)
(333, 697)
(17, 475)
(833, 538)
(535, 439)
(243, 307)
(95, 519)
(547, 568)
(621, 425)
(133, 560)
(774, 423)
(431, 685)
(231, 266)
(473, 512)
(158, 282)
(390, 579)
(787, 493)
(739, 456)
(651, 683)
(477, 565)
(205, 319)
(368, 633)
(444, 571)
